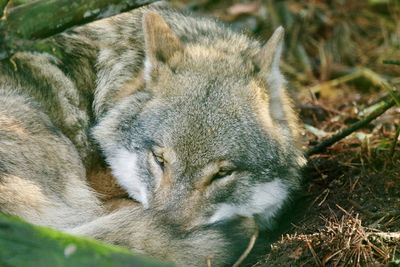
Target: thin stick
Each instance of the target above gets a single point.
(247, 250)
(354, 127)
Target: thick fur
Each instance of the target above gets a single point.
(42, 178)
(192, 118)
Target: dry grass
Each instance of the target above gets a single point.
(341, 241)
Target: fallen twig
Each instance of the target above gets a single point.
(352, 128)
(379, 110)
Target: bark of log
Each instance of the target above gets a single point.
(42, 18)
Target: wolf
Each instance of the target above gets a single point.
(192, 119)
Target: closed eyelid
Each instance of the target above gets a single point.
(158, 156)
(227, 169)
(210, 171)
(167, 154)
(225, 166)
(158, 151)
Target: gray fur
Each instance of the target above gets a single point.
(192, 123)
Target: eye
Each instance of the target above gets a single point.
(159, 159)
(221, 174)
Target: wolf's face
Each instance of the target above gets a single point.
(205, 140)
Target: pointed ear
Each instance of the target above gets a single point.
(162, 45)
(269, 59)
(270, 55)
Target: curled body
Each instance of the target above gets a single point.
(192, 118)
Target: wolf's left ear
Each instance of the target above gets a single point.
(270, 54)
(162, 45)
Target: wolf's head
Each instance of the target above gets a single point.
(211, 135)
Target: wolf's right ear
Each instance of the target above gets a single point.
(162, 45)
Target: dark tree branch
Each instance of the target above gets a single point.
(43, 18)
